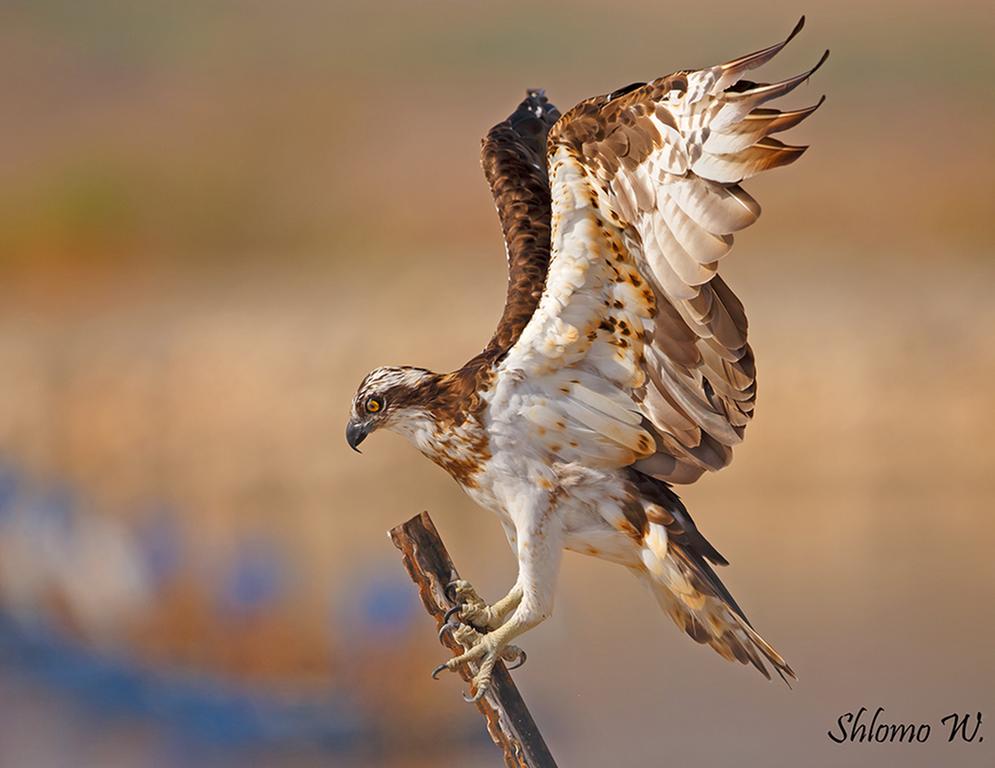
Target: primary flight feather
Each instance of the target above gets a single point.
(620, 365)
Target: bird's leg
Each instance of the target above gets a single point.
(474, 611)
(468, 637)
(471, 609)
(539, 553)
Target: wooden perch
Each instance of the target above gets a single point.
(508, 719)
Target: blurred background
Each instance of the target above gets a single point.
(216, 217)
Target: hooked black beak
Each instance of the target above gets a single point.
(355, 433)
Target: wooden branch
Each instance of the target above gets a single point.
(508, 720)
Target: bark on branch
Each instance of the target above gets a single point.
(508, 719)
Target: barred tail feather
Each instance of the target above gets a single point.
(692, 595)
(677, 565)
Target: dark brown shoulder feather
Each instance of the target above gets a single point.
(513, 156)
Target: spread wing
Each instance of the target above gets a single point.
(513, 156)
(637, 352)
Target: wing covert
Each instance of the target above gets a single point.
(637, 352)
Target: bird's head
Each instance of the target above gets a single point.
(391, 397)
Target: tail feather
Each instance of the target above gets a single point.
(710, 620)
(675, 565)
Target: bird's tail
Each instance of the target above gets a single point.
(675, 558)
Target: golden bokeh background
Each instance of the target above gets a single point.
(216, 217)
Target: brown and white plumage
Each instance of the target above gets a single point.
(646, 201)
(621, 362)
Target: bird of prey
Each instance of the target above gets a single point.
(620, 365)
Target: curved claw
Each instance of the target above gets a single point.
(450, 613)
(450, 591)
(475, 698)
(522, 658)
(447, 627)
(438, 669)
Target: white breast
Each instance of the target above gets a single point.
(584, 502)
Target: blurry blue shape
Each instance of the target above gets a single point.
(388, 606)
(56, 505)
(9, 488)
(160, 546)
(209, 712)
(102, 682)
(198, 710)
(220, 713)
(255, 579)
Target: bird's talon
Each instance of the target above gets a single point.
(452, 589)
(438, 669)
(481, 690)
(479, 630)
(520, 661)
(454, 611)
(447, 627)
(466, 635)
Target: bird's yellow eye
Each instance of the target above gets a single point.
(373, 405)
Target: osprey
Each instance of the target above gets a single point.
(620, 365)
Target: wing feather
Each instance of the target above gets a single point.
(637, 350)
(513, 158)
